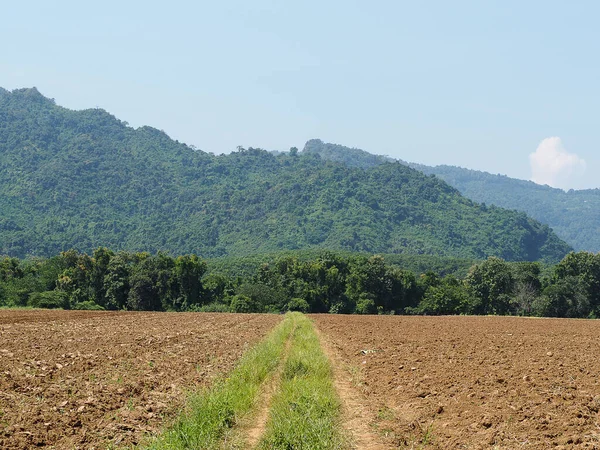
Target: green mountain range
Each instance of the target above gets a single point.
(573, 215)
(84, 179)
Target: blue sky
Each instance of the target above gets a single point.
(480, 84)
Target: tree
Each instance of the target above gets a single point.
(101, 261)
(188, 273)
(586, 267)
(74, 281)
(243, 304)
(217, 287)
(447, 296)
(298, 304)
(116, 282)
(565, 298)
(527, 288)
(365, 304)
(143, 295)
(491, 284)
(152, 284)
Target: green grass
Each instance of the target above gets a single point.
(212, 414)
(305, 412)
(28, 308)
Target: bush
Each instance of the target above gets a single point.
(446, 298)
(48, 299)
(243, 304)
(365, 305)
(298, 304)
(88, 305)
(263, 296)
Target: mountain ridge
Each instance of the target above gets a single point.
(574, 215)
(85, 179)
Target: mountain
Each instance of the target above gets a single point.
(83, 179)
(573, 215)
(352, 157)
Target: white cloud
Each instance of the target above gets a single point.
(553, 165)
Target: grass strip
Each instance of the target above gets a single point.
(213, 412)
(305, 413)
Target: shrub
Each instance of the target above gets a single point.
(48, 299)
(447, 298)
(243, 304)
(298, 304)
(365, 305)
(88, 305)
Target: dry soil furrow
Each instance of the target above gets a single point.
(476, 382)
(84, 380)
(356, 416)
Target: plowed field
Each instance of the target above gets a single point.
(87, 380)
(473, 382)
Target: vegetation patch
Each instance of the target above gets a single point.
(305, 412)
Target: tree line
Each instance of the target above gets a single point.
(328, 283)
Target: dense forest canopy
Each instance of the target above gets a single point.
(84, 179)
(573, 215)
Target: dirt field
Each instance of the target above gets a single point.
(86, 380)
(474, 383)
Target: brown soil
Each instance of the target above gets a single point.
(357, 419)
(84, 380)
(474, 382)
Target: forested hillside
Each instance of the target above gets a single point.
(84, 179)
(573, 215)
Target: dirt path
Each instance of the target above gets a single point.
(356, 417)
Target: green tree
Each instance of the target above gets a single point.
(188, 272)
(244, 304)
(527, 288)
(565, 298)
(491, 285)
(116, 282)
(585, 267)
(101, 261)
(152, 284)
(447, 296)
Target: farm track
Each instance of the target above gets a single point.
(357, 419)
(280, 396)
(474, 382)
(257, 428)
(83, 380)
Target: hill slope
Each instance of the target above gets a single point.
(573, 215)
(84, 179)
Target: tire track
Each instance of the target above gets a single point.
(356, 417)
(256, 431)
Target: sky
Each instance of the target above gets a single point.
(508, 87)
